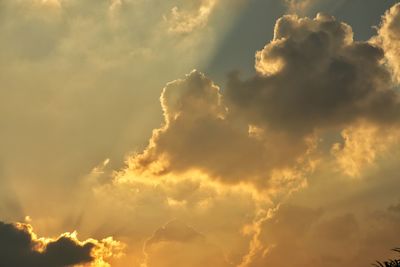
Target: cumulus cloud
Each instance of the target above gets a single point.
(389, 37)
(20, 247)
(312, 78)
(199, 134)
(196, 132)
(312, 75)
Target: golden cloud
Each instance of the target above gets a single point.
(388, 37)
(199, 134)
(363, 144)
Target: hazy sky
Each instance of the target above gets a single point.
(192, 133)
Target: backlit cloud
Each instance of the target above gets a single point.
(389, 37)
(362, 145)
(20, 247)
(199, 134)
(312, 75)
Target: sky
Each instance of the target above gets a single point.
(192, 133)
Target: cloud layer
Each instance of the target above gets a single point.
(257, 172)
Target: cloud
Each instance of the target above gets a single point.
(312, 79)
(174, 231)
(320, 237)
(362, 145)
(336, 221)
(294, 231)
(20, 247)
(83, 62)
(183, 22)
(389, 36)
(319, 99)
(312, 76)
(197, 211)
(223, 158)
(202, 150)
(199, 134)
(177, 244)
(300, 6)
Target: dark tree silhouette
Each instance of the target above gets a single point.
(390, 262)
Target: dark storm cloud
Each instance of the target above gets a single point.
(312, 75)
(19, 247)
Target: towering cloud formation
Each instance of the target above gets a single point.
(200, 134)
(312, 79)
(20, 247)
(312, 75)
